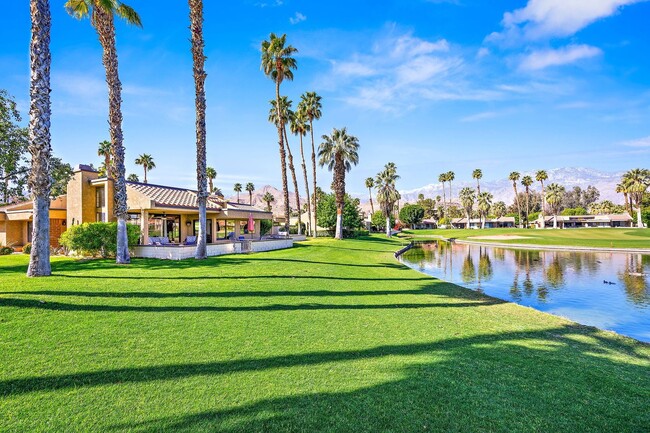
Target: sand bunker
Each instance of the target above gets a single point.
(499, 237)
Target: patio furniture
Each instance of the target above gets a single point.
(190, 240)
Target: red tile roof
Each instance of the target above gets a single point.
(167, 196)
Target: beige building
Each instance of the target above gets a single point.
(580, 221)
(167, 214)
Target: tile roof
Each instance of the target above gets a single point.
(167, 196)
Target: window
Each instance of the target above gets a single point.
(100, 197)
(100, 217)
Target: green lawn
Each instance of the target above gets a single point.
(617, 238)
(325, 337)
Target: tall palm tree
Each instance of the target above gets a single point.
(211, 174)
(339, 151)
(237, 188)
(621, 188)
(637, 181)
(147, 163)
(442, 178)
(250, 187)
(40, 182)
(477, 174)
(286, 117)
(387, 194)
(392, 169)
(499, 209)
(467, 196)
(554, 195)
(484, 201)
(104, 150)
(311, 105)
(133, 178)
(268, 199)
(450, 177)
(198, 70)
(277, 64)
(527, 181)
(370, 184)
(514, 177)
(299, 127)
(541, 176)
(101, 13)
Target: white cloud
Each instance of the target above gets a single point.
(542, 59)
(297, 18)
(480, 116)
(482, 52)
(640, 142)
(541, 19)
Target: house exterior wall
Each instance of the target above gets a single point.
(81, 197)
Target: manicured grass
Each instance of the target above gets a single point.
(328, 336)
(608, 238)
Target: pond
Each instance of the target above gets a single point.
(607, 290)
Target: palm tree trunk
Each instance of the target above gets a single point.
(313, 166)
(514, 186)
(388, 226)
(304, 172)
(372, 207)
(543, 199)
(444, 200)
(295, 180)
(639, 221)
(39, 137)
(145, 174)
(211, 185)
(250, 198)
(198, 59)
(339, 188)
(283, 158)
(106, 30)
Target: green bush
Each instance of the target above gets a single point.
(27, 249)
(265, 226)
(97, 239)
(5, 251)
(444, 222)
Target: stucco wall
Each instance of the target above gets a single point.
(187, 252)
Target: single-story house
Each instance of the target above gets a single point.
(164, 213)
(427, 224)
(580, 221)
(475, 223)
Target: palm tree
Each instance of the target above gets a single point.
(311, 106)
(554, 196)
(133, 178)
(450, 177)
(286, 117)
(104, 150)
(102, 19)
(339, 151)
(217, 191)
(370, 184)
(514, 177)
(499, 209)
(211, 174)
(541, 176)
(147, 163)
(198, 69)
(527, 181)
(637, 182)
(443, 178)
(484, 200)
(477, 174)
(277, 64)
(40, 181)
(387, 194)
(467, 196)
(268, 199)
(250, 187)
(621, 188)
(299, 127)
(237, 188)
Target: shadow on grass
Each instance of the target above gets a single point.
(560, 379)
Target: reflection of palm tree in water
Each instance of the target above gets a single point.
(635, 281)
(484, 267)
(468, 271)
(555, 272)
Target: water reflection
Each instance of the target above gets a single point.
(609, 290)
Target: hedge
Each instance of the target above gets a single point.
(96, 239)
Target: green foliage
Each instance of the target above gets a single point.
(327, 212)
(645, 217)
(27, 249)
(444, 222)
(61, 175)
(13, 151)
(96, 239)
(5, 251)
(533, 216)
(515, 215)
(265, 226)
(411, 214)
(574, 211)
(378, 221)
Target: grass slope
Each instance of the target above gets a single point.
(606, 238)
(327, 336)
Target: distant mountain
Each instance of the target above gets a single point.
(502, 188)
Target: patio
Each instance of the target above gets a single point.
(181, 252)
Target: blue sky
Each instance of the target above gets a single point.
(431, 85)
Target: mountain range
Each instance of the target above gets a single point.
(500, 188)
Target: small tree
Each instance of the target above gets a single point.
(411, 214)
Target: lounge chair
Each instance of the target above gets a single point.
(190, 240)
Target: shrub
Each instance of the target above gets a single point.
(27, 249)
(444, 222)
(5, 251)
(411, 214)
(97, 239)
(265, 226)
